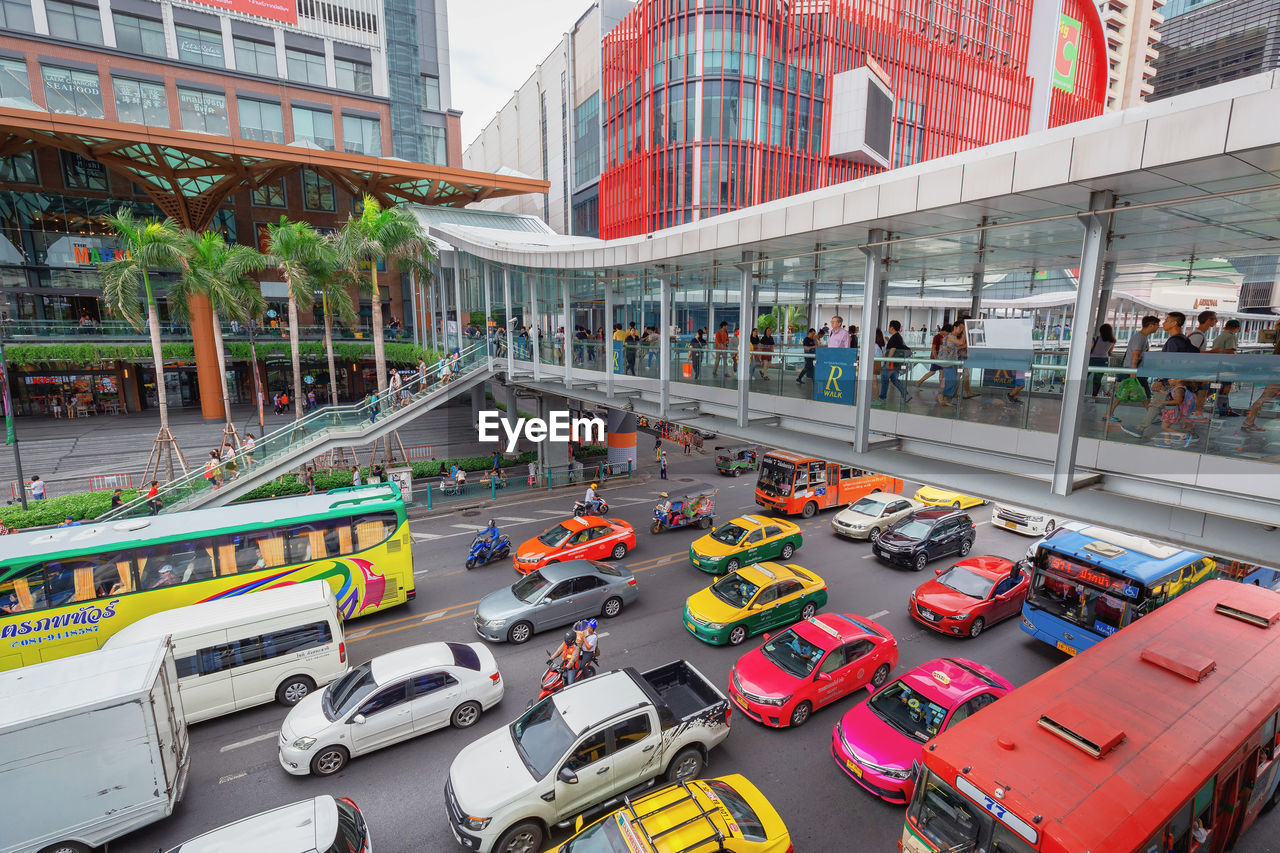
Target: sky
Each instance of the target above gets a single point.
(494, 45)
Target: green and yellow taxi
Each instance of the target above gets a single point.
(751, 601)
(743, 541)
(728, 814)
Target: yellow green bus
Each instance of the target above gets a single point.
(65, 591)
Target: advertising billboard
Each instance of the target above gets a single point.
(285, 11)
(1067, 54)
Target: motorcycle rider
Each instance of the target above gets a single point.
(568, 654)
(489, 535)
(591, 501)
(590, 643)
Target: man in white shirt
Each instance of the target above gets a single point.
(839, 337)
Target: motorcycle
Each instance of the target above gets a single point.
(580, 508)
(483, 552)
(553, 678)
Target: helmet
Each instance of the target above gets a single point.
(591, 623)
(491, 522)
(570, 637)
(593, 485)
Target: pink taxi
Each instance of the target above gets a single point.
(879, 741)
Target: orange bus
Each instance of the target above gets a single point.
(793, 484)
(1160, 740)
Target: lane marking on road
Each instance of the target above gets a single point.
(431, 616)
(247, 741)
(369, 632)
(980, 523)
(355, 635)
(878, 614)
(234, 776)
(549, 511)
(464, 526)
(867, 556)
(514, 519)
(423, 537)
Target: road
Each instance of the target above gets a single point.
(234, 771)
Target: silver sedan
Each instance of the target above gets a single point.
(555, 595)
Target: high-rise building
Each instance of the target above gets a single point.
(1133, 33)
(1209, 43)
(705, 106)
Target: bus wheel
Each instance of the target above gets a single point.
(66, 847)
(810, 510)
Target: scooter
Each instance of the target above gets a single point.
(553, 679)
(483, 552)
(580, 508)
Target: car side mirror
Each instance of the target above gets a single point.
(567, 776)
(359, 719)
(766, 637)
(822, 676)
(938, 571)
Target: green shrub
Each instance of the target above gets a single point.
(78, 505)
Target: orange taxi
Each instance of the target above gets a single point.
(590, 537)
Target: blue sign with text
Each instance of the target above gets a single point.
(833, 378)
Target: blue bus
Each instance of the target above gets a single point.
(1087, 584)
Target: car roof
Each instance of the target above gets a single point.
(952, 680)
(567, 570)
(831, 629)
(936, 513)
(411, 659)
(987, 564)
(585, 703)
(754, 521)
(768, 572)
(237, 610)
(882, 497)
(296, 828)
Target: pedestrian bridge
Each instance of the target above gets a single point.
(1120, 202)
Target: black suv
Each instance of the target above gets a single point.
(924, 535)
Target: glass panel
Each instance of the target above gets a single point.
(77, 93)
(16, 15)
(361, 135)
(270, 195)
(255, 57)
(74, 22)
(357, 77)
(305, 67)
(317, 192)
(203, 47)
(261, 121)
(203, 112)
(140, 102)
(14, 82)
(315, 125)
(430, 93)
(139, 35)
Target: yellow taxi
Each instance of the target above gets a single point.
(743, 541)
(941, 497)
(690, 815)
(752, 600)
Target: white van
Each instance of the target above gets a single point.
(247, 650)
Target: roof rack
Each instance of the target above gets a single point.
(716, 837)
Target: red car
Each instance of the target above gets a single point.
(811, 664)
(587, 538)
(972, 595)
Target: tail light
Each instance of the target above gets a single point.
(342, 652)
(496, 677)
(631, 582)
(728, 713)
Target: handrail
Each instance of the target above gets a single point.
(315, 425)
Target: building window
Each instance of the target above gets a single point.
(305, 67)
(317, 192)
(434, 151)
(203, 47)
(353, 76)
(140, 102)
(361, 136)
(314, 125)
(19, 168)
(586, 143)
(431, 93)
(74, 93)
(203, 112)
(254, 57)
(139, 35)
(268, 195)
(74, 22)
(16, 15)
(81, 174)
(260, 121)
(14, 82)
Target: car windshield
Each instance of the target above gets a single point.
(729, 534)
(351, 835)
(867, 506)
(944, 817)
(555, 535)
(542, 737)
(734, 589)
(604, 837)
(913, 528)
(962, 580)
(527, 588)
(606, 569)
(347, 692)
(916, 716)
(793, 653)
(748, 823)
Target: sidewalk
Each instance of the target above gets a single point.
(65, 453)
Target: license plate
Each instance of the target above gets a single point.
(853, 768)
(1063, 647)
(689, 625)
(930, 617)
(1010, 525)
(739, 700)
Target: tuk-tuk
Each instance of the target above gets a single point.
(733, 461)
(671, 513)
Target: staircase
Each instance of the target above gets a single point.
(323, 430)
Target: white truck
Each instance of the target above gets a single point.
(91, 747)
(590, 744)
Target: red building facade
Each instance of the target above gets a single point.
(713, 105)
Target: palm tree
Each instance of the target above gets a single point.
(390, 234)
(220, 271)
(300, 252)
(149, 244)
(335, 298)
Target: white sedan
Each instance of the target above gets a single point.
(1029, 522)
(869, 516)
(391, 698)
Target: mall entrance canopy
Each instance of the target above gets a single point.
(1196, 176)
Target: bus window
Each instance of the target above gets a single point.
(315, 541)
(1003, 840)
(1268, 738)
(22, 590)
(1177, 835)
(945, 817)
(170, 563)
(99, 575)
(373, 529)
(252, 550)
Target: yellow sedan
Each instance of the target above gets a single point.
(727, 814)
(743, 541)
(751, 601)
(941, 497)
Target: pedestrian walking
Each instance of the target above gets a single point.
(839, 337)
(1104, 343)
(696, 347)
(117, 499)
(153, 499)
(371, 403)
(721, 354)
(810, 345)
(933, 353)
(213, 470)
(657, 447)
(228, 457)
(949, 350)
(37, 489)
(249, 445)
(355, 475)
(662, 463)
(533, 474)
(894, 346)
(310, 480)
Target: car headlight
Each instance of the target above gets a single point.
(1035, 519)
(894, 773)
(304, 743)
(773, 700)
(477, 823)
(716, 626)
(496, 623)
(960, 616)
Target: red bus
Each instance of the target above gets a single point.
(1160, 740)
(794, 484)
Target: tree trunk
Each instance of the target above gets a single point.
(157, 355)
(222, 363)
(379, 348)
(295, 354)
(328, 349)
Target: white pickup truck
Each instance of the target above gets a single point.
(589, 744)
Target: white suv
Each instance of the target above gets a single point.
(323, 825)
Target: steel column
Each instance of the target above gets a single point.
(413, 302)
(535, 329)
(1104, 297)
(508, 316)
(664, 346)
(746, 314)
(606, 352)
(872, 297)
(457, 295)
(975, 299)
(567, 346)
(436, 276)
(1097, 227)
(486, 280)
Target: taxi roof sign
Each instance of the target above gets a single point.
(813, 620)
(941, 677)
(760, 567)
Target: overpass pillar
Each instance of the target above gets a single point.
(554, 454)
(872, 299)
(1104, 297)
(664, 349)
(746, 322)
(477, 404)
(208, 367)
(606, 352)
(621, 438)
